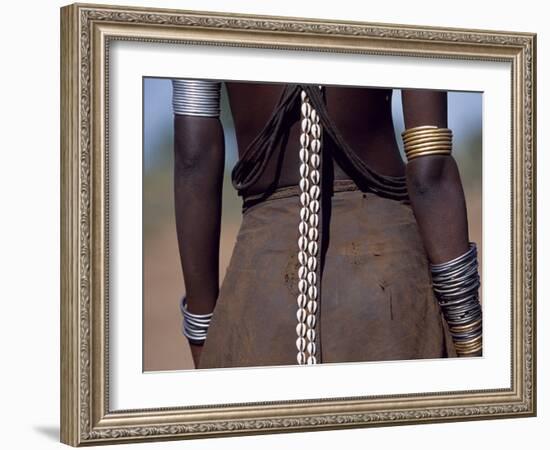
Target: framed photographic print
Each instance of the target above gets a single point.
(275, 224)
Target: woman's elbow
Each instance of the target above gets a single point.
(427, 175)
(198, 144)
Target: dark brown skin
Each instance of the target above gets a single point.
(364, 118)
(198, 174)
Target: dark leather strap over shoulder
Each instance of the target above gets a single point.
(254, 159)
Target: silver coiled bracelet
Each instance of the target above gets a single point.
(456, 284)
(195, 326)
(196, 97)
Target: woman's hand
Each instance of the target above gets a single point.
(471, 355)
(196, 351)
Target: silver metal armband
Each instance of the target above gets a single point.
(194, 326)
(196, 97)
(456, 284)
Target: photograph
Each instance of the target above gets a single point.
(305, 224)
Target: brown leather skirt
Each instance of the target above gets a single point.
(376, 299)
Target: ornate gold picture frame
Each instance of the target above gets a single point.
(87, 413)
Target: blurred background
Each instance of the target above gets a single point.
(164, 346)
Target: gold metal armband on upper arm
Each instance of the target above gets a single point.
(427, 140)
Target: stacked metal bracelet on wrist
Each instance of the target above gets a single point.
(456, 284)
(195, 326)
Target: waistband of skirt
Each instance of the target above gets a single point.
(294, 191)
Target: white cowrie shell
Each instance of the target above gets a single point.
(306, 109)
(315, 145)
(314, 206)
(315, 192)
(315, 130)
(312, 307)
(314, 116)
(315, 176)
(301, 358)
(302, 286)
(304, 213)
(304, 140)
(304, 171)
(306, 126)
(312, 263)
(311, 277)
(301, 314)
(301, 344)
(312, 248)
(313, 234)
(303, 258)
(314, 220)
(310, 334)
(304, 155)
(315, 160)
(304, 184)
(303, 228)
(311, 360)
(301, 300)
(301, 329)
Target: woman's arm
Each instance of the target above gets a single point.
(434, 185)
(199, 155)
(438, 202)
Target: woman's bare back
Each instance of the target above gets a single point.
(362, 115)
